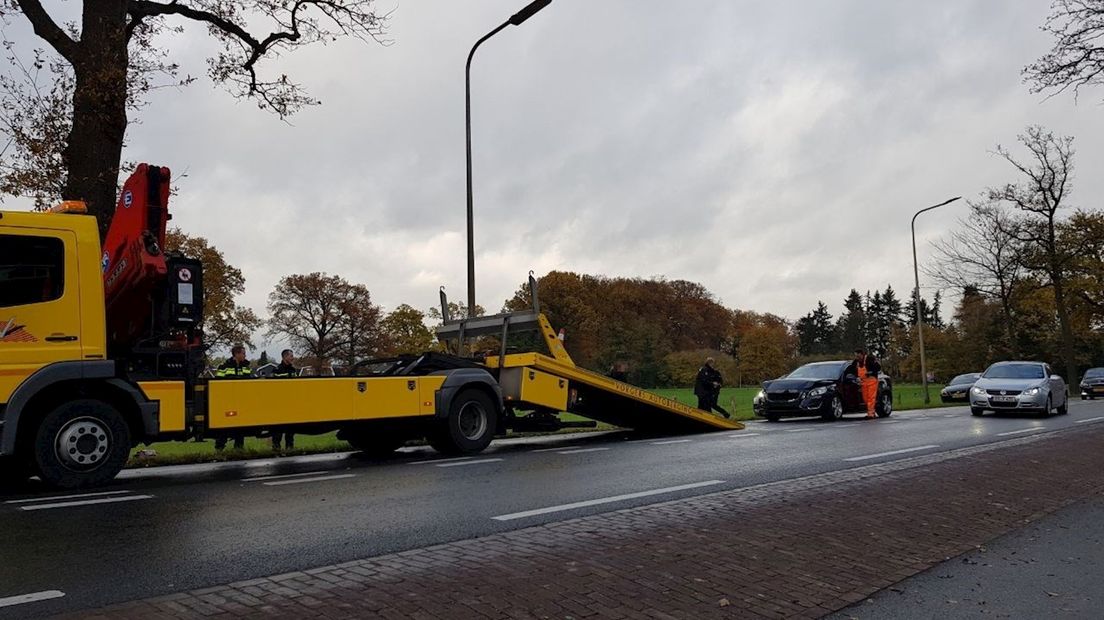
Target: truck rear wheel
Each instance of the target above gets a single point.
(81, 443)
(469, 426)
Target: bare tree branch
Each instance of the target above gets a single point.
(45, 27)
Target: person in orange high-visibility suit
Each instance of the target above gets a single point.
(867, 369)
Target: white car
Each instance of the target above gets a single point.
(1019, 386)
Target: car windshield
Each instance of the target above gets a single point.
(961, 379)
(1094, 372)
(825, 370)
(1015, 371)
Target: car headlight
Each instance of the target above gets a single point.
(761, 395)
(820, 391)
(978, 391)
(1031, 391)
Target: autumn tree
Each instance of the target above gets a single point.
(1038, 197)
(1077, 58)
(102, 68)
(767, 353)
(984, 254)
(225, 322)
(405, 331)
(325, 318)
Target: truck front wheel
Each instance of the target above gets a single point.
(469, 427)
(81, 443)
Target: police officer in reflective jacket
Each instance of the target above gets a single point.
(237, 367)
(285, 370)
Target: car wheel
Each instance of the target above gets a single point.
(834, 411)
(884, 407)
(976, 411)
(1064, 409)
(1049, 407)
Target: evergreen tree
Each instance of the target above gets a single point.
(852, 323)
(892, 305)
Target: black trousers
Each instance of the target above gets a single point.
(239, 442)
(708, 402)
(287, 436)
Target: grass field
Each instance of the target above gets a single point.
(736, 400)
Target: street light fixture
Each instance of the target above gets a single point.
(916, 298)
(515, 20)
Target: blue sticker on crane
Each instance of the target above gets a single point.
(127, 199)
(104, 262)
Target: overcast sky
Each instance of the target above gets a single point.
(774, 152)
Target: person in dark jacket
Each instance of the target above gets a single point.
(237, 367)
(619, 372)
(707, 387)
(867, 370)
(286, 369)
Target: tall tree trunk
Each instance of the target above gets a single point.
(1065, 328)
(99, 110)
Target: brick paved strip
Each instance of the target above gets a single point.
(798, 548)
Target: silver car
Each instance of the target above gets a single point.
(1019, 386)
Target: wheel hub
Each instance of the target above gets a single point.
(83, 444)
(472, 421)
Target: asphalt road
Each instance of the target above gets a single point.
(170, 529)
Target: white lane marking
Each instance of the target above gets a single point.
(890, 453)
(431, 461)
(670, 441)
(582, 450)
(476, 462)
(53, 497)
(1087, 420)
(306, 473)
(950, 415)
(890, 421)
(605, 500)
(1022, 430)
(556, 449)
(86, 502)
(743, 435)
(302, 480)
(848, 424)
(800, 430)
(21, 599)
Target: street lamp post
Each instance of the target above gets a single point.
(916, 298)
(515, 20)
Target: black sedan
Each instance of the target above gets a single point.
(1092, 384)
(958, 390)
(820, 388)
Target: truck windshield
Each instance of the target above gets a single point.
(825, 370)
(1015, 371)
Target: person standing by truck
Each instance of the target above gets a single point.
(285, 370)
(867, 370)
(707, 387)
(237, 367)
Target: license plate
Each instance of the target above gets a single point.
(1004, 399)
(958, 394)
(1098, 389)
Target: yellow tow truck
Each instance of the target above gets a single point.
(101, 350)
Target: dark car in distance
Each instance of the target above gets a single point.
(958, 390)
(825, 389)
(1092, 384)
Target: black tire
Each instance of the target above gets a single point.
(834, 411)
(1045, 413)
(1064, 409)
(374, 443)
(884, 406)
(81, 443)
(976, 411)
(469, 426)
